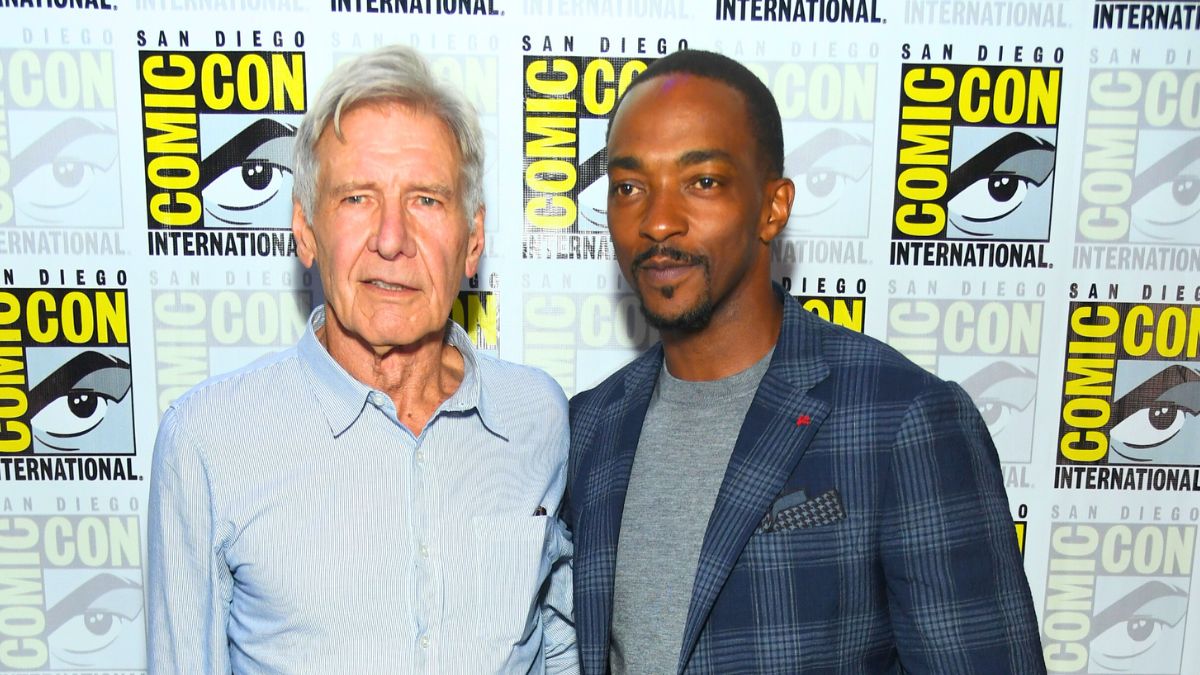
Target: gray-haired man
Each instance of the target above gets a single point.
(374, 499)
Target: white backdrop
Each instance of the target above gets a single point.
(1008, 191)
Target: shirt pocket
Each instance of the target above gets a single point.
(510, 563)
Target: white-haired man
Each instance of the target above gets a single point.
(378, 498)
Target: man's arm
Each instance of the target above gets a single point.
(558, 622)
(957, 592)
(558, 616)
(188, 583)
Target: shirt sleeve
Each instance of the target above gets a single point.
(558, 617)
(558, 623)
(957, 592)
(188, 584)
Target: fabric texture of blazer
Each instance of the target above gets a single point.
(862, 524)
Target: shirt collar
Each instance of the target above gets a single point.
(342, 399)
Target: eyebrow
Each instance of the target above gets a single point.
(1165, 169)
(997, 371)
(1123, 608)
(78, 600)
(808, 153)
(49, 144)
(237, 149)
(985, 162)
(439, 189)
(113, 379)
(1153, 389)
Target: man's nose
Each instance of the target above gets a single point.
(394, 236)
(664, 217)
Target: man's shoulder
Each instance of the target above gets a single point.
(848, 351)
(519, 384)
(243, 392)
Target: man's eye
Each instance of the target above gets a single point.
(623, 189)
(706, 183)
(355, 199)
(427, 201)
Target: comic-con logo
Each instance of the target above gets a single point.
(976, 152)
(1130, 397)
(1117, 597)
(218, 130)
(203, 332)
(1140, 179)
(71, 595)
(65, 385)
(828, 115)
(568, 100)
(990, 347)
(59, 165)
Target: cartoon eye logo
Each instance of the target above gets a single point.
(61, 168)
(1136, 624)
(995, 182)
(248, 186)
(75, 398)
(1152, 426)
(824, 168)
(1001, 390)
(89, 619)
(249, 172)
(1166, 195)
(1151, 415)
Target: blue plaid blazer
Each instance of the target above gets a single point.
(861, 527)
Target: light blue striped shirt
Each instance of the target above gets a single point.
(297, 527)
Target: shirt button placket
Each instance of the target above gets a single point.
(423, 569)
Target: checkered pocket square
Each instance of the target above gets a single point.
(824, 509)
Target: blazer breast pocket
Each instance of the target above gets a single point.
(796, 511)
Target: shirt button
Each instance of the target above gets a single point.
(425, 641)
(420, 457)
(424, 550)
(376, 398)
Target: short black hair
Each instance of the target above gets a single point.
(761, 109)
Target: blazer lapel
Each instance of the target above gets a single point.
(778, 429)
(607, 476)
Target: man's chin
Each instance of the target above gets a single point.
(688, 320)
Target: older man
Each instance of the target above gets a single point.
(374, 499)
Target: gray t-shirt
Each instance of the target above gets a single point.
(684, 449)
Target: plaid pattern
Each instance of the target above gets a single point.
(823, 510)
(914, 566)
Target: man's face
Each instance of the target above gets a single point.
(389, 235)
(689, 204)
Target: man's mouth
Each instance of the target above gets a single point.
(664, 265)
(389, 287)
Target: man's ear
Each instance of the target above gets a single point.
(475, 243)
(306, 240)
(779, 195)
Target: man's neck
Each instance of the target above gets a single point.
(740, 333)
(418, 377)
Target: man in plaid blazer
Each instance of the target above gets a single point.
(859, 523)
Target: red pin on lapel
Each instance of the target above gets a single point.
(803, 421)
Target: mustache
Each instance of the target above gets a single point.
(661, 251)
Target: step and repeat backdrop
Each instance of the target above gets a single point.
(1007, 191)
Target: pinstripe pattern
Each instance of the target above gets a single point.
(297, 527)
(922, 573)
